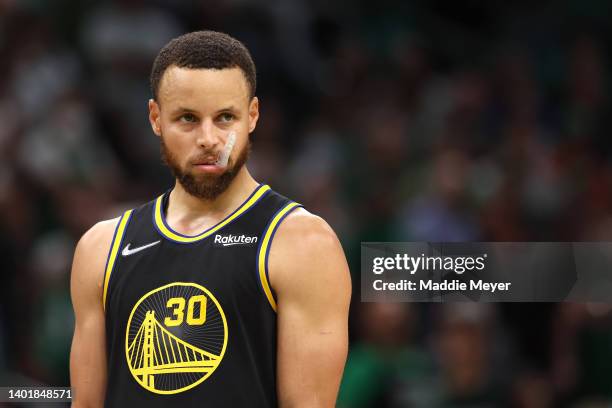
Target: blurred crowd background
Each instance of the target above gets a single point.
(394, 120)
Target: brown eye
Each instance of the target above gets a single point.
(188, 117)
(226, 117)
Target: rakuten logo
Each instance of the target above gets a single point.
(229, 240)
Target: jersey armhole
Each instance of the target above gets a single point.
(113, 251)
(264, 250)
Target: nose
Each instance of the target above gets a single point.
(207, 135)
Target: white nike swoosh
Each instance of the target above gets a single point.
(127, 251)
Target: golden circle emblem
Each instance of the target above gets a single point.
(176, 337)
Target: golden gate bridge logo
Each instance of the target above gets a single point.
(176, 337)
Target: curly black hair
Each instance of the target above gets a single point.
(207, 50)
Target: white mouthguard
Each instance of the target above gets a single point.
(227, 150)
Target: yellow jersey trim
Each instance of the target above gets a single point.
(114, 249)
(168, 233)
(264, 249)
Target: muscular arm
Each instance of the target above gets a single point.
(310, 276)
(88, 354)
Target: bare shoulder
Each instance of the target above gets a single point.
(309, 227)
(304, 248)
(100, 231)
(90, 256)
(303, 234)
(97, 238)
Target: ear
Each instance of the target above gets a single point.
(253, 113)
(154, 117)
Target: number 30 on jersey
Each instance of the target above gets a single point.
(177, 304)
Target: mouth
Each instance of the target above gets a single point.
(205, 163)
(208, 165)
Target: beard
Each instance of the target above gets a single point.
(205, 186)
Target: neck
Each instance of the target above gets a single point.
(187, 213)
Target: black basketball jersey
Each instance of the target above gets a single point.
(191, 320)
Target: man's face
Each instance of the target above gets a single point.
(195, 111)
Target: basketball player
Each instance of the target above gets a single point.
(220, 292)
